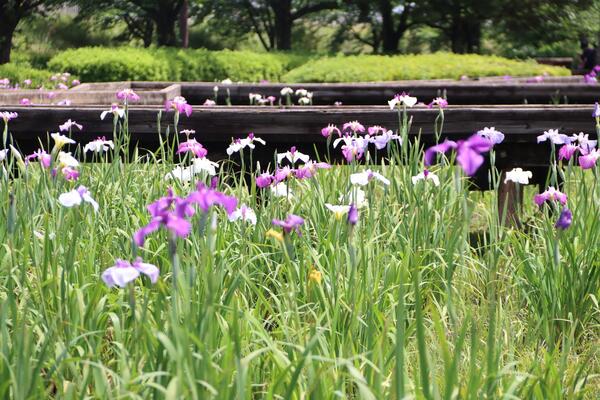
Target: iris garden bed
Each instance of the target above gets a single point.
(365, 280)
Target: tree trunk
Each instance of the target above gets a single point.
(183, 25)
(388, 32)
(148, 31)
(7, 30)
(282, 10)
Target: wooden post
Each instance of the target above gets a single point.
(510, 202)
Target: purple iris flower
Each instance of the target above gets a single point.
(264, 180)
(292, 222)
(565, 219)
(551, 194)
(309, 169)
(567, 151)
(206, 197)
(44, 158)
(169, 211)
(70, 174)
(468, 152)
(353, 215)
(281, 174)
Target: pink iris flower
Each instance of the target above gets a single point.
(567, 151)
(330, 130)
(551, 194)
(127, 95)
(589, 160)
(44, 158)
(193, 146)
(180, 105)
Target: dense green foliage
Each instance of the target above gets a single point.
(97, 64)
(426, 66)
(18, 72)
(115, 64)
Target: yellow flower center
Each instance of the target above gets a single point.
(275, 235)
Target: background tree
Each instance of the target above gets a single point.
(271, 20)
(12, 12)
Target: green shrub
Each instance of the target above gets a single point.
(18, 72)
(100, 64)
(372, 68)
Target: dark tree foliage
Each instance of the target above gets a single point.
(271, 20)
(11, 13)
(388, 20)
(141, 16)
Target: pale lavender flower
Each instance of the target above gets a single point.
(554, 137)
(244, 213)
(239, 144)
(353, 126)
(68, 125)
(76, 196)
(363, 178)
(124, 272)
(209, 103)
(584, 141)
(495, 136)
(7, 116)
(99, 145)
(115, 111)
(292, 156)
(25, 102)
(426, 175)
(402, 99)
(596, 113)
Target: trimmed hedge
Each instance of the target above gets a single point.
(370, 68)
(101, 64)
(18, 72)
